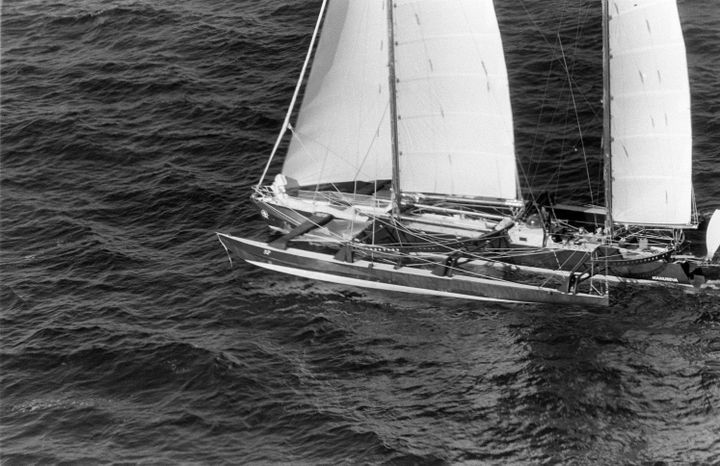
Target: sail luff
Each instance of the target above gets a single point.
(298, 86)
(651, 135)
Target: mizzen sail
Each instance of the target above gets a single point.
(455, 127)
(343, 128)
(651, 140)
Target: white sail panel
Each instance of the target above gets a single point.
(343, 128)
(455, 129)
(651, 137)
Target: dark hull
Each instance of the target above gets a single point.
(659, 268)
(378, 275)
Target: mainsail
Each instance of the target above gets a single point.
(454, 122)
(651, 140)
(455, 127)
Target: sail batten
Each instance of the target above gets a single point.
(465, 36)
(649, 48)
(446, 76)
(651, 135)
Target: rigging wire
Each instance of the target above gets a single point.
(576, 93)
(577, 118)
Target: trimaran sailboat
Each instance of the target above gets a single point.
(401, 172)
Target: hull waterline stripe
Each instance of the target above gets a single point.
(371, 284)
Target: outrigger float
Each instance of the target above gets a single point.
(454, 276)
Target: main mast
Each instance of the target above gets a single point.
(393, 109)
(607, 136)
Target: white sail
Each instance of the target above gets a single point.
(651, 140)
(343, 128)
(455, 128)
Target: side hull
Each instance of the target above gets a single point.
(388, 277)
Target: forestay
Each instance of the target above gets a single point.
(455, 128)
(343, 128)
(650, 114)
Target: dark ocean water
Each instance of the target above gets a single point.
(132, 131)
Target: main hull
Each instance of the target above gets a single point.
(386, 276)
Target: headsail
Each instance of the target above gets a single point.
(455, 125)
(342, 133)
(651, 140)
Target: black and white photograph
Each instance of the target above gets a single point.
(360, 232)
